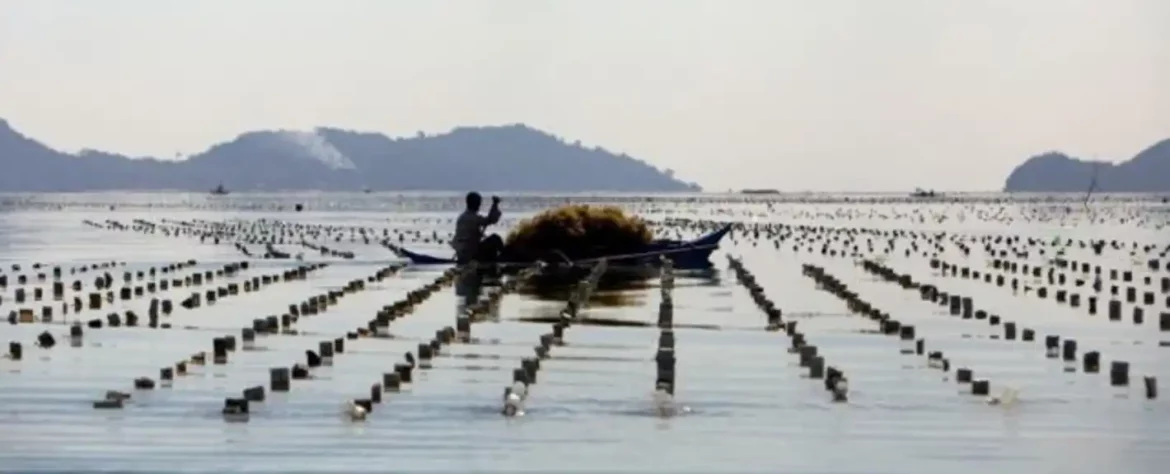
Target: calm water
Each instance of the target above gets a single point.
(753, 410)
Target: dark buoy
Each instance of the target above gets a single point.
(46, 340)
(75, 335)
(391, 381)
(376, 393)
(219, 350)
(248, 339)
(404, 372)
(520, 375)
(1052, 346)
(806, 355)
(530, 366)
(254, 394)
(1069, 350)
(279, 379)
(326, 350)
(1119, 374)
(235, 410)
(300, 372)
(816, 368)
(1091, 362)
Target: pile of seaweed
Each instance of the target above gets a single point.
(577, 232)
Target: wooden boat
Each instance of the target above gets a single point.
(684, 255)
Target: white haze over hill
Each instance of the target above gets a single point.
(315, 146)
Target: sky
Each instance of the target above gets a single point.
(834, 95)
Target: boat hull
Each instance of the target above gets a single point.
(684, 255)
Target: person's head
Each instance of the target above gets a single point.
(474, 200)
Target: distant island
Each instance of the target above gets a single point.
(503, 158)
(1148, 172)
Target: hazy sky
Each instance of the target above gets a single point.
(816, 94)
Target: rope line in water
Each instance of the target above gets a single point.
(680, 249)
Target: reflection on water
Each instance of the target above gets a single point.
(616, 288)
(470, 288)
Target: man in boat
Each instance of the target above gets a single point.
(469, 242)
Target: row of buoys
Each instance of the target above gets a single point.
(665, 357)
(46, 340)
(835, 381)
(826, 234)
(94, 300)
(1056, 269)
(221, 346)
(211, 296)
(906, 333)
(1002, 247)
(1053, 346)
(524, 376)
(270, 251)
(238, 409)
(1022, 248)
(1056, 274)
(326, 251)
(359, 408)
(55, 274)
(1073, 299)
(913, 345)
(267, 231)
(36, 266)
(780, 232)
(755, 229)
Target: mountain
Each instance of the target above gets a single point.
(503, 158)
(1147, 172)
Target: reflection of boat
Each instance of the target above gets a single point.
(923, 194)
(685, 255)
(219, 190)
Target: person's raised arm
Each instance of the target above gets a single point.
(493, 215)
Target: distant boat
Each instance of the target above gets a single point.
(923, 194)
(219, 190)
(760, 191)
